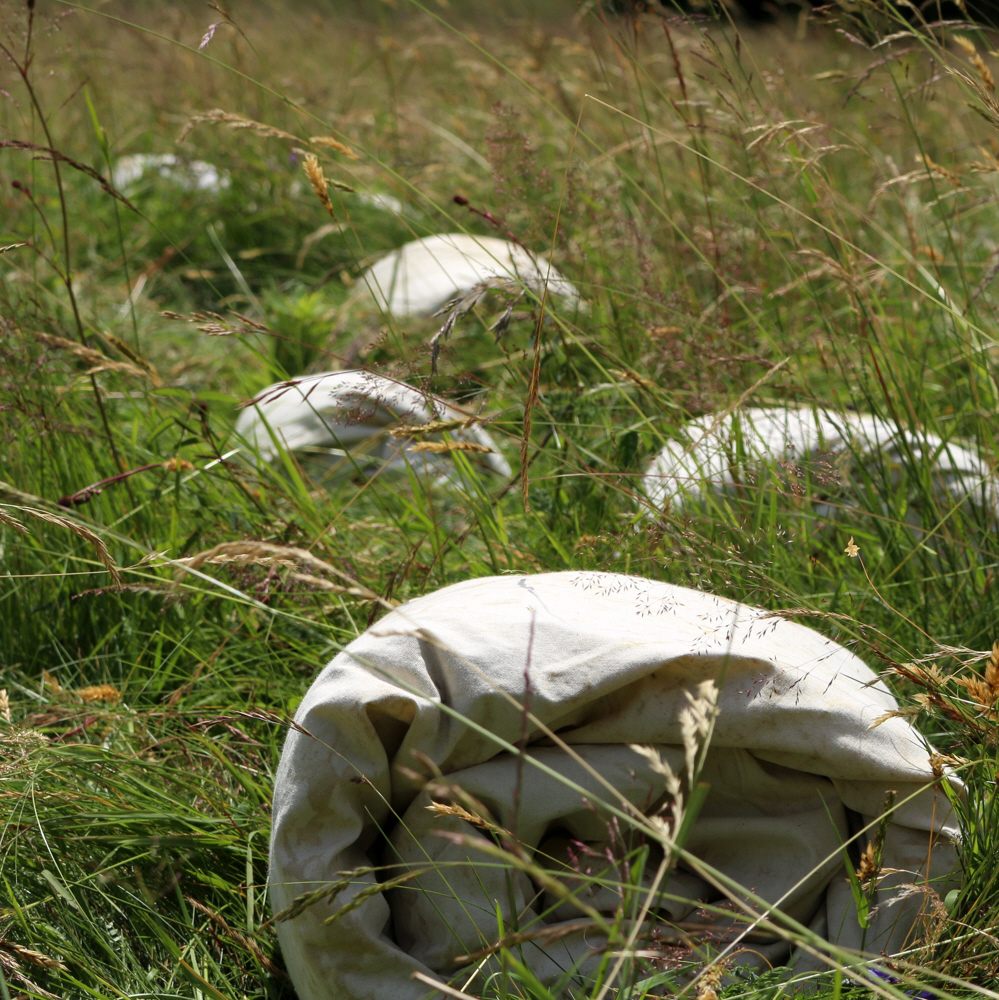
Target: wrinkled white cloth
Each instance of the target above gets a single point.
(755, 436)
(422, 276)
(192, 175)
(347, 409)
(794, 767)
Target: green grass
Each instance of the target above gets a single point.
(728, 200)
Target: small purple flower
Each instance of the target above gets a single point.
(895, 981)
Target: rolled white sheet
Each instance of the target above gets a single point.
(349, 409)
(794, 769)
(422, 276)
(715, 447)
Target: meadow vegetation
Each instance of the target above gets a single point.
(787, 213)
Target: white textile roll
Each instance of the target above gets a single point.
(794, 769)
(346, 409)
(718, 445)
(423, 275)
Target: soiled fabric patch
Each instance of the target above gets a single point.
(350, 413)
(422, 276)
(794, 769)
(717, 448)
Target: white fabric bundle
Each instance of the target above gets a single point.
(343, 410)
(761, 436)
(422, 276)
(192, 175)
(794, 767)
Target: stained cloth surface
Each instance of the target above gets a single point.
(422, 276)
(347, 409)
(719, 445)
(794, 769)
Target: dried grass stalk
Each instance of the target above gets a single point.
(462, 304)
(446, 809)
(265, 553)
(326, 894)
(626, 374)
(216, 116)
(544, 934)
(30, 956)
(330, 143)
(11, 494)
(12, 522)
(215, 325)
(248, 943)
(335, 588)
(123, 348)
(81, 531)
(443, 447)
(434, 427)
(100, 362)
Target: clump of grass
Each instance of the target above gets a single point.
(796, 213)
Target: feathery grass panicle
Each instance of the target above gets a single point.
(78, 529)
(216, 116)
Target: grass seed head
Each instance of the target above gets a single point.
(51, 684)
(314, 171)
(217, 116)
(443, 447)
(445, 809)
(30, 956)
(967, 44)
(983, 71)
(99, 692)
(984, 690)
(330, 143)
(710, 980)
(868, 867)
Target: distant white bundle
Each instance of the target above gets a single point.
(385, 202)
(193, 175)
(346, 410)
(718, 447)
(422, 276)
(619, 668)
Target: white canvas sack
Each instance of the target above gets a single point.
(423, 275)
(794, 768)
(719, 445)
(351, 411)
